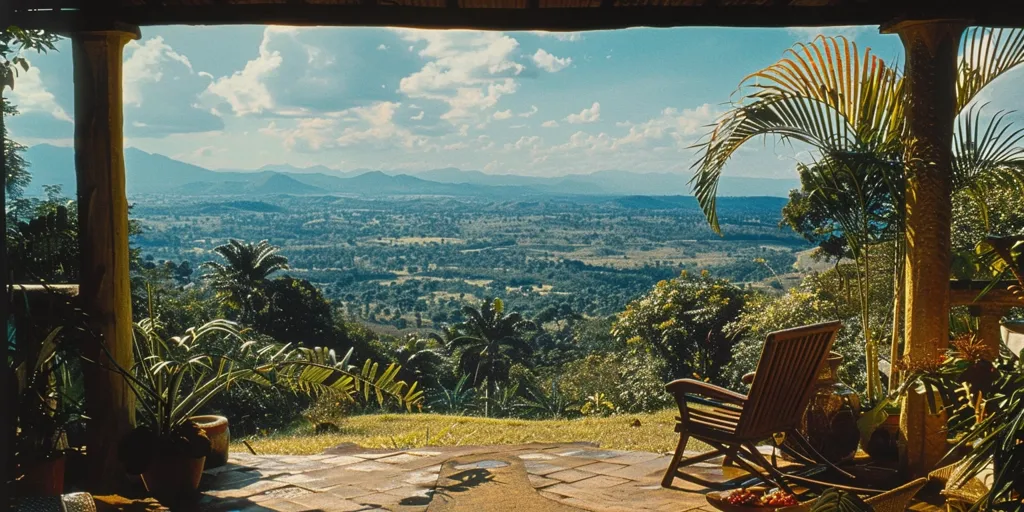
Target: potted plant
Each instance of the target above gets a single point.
(43, 414)
(174, 378)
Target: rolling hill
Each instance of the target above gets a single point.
(150, 173)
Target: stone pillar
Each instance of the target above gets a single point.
(103, 235)
(931, 75)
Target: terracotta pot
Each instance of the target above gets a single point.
(218, 431)
(173, 478)
(44, 478)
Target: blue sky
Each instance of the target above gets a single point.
(516, 102)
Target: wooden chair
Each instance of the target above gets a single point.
(733, 423)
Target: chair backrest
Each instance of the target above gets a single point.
(784, 379)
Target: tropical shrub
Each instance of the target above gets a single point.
(549, 402)
(488, 343)
(175, 378)
(459, 399)
(682, 321)
(294, 311)
(632, 381)
(818, 299)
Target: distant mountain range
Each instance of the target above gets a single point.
(150, 173)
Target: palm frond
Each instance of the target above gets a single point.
(985, 55)
(987, 155)
(823, 94)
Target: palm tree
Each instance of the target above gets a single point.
(850, 109)
(489, 342)
(419, 357)
(239, 282)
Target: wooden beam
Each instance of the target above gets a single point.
(931, 75)
(608, 16)
(104, 290)
(967, 294)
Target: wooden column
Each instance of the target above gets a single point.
(931, 75)
(103, 234)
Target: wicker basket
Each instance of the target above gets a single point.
(958, 497)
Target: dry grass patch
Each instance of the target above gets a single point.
(402, 431)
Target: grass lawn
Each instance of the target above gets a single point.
(655, 433)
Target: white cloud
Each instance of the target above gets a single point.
(30, 95)
(469, 100)
(145, 65)
(587, 115)
(679, 127)
(469, 71)
(382, 47)
(529, 113)
(502, 115)
(549, 62)
(312, 134)
(561, 36)
(550, 124)
(525, 143)
(245, 90)
(418, 117)
(369, 126)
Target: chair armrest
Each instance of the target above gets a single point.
(696, 387)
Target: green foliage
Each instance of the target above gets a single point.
(853, 190)
(837, 500)
(422, 359)
(16, 169)
(488, 342)
(632, 380)
(240, 281)
(43, 386)
(176, 377)
(682, 320)
(459, 399)
(42, 239)
(549, 402)
(14, 42)
(294, 311)
(597, 405)
(819, 298)
(985, 404)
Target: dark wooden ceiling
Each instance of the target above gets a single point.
(508, 14)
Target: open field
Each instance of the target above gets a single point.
(655, 433)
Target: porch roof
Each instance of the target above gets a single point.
(556, 15)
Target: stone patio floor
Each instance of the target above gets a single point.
(577, 476)
(532, 477)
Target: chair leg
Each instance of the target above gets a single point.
(673, 466)
(774, 475)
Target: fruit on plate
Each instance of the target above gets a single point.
(777, 498)
(743, 497)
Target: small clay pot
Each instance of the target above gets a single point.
(44, 478)
(218, 431)
(173, 479)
